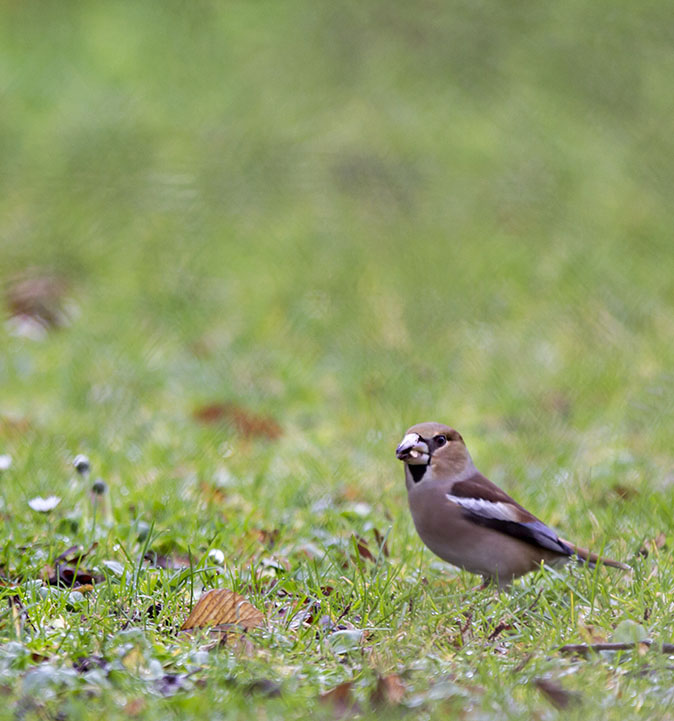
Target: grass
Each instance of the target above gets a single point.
(347, 219)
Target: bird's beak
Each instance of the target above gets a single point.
(413, 450)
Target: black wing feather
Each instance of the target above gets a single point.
(535, 532)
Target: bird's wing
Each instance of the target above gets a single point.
(487, 505)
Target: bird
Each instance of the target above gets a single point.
(467, 520)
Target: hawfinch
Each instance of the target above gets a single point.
(470, 522)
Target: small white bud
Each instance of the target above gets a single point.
(82, 465)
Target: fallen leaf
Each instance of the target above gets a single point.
(626, 493)
(68, 572)
(69, 577)
(381, 542)
(245, 422)
(352, 493)
(503, 626)
(75, 554)
(268, 538)
(212, 494)
(211, 413)
(65, 557)
(653, 545)
(221, 607)
(13, 427)
(36, 297)
(585, 649)
(558, 696)
(390, 691)
(362, 548)
(341, 699)
(135, 706)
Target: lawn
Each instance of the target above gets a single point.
(244, 246)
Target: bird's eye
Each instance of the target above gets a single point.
(440, 440)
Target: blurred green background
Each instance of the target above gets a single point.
(350, 218)
(272, 236)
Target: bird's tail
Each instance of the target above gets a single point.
(585, 556)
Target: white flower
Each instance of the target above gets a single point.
(5, 461)
(217, 556)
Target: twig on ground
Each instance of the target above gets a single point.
(584, 649)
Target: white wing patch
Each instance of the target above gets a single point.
(489, 509)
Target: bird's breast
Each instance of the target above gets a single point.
(447, 531)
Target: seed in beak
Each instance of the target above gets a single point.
(414, 454)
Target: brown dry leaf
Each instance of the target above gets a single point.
(75, 554)
(252, 425)
(210, 413)
(135, 706)
(390, 691)
(212, 494)
(363, 549)
(499, 629)
(381, 541)
(352, 493)
(37, 296)
(341, 699)
(69, 576)
(268, 538)
(626, 493)
(653, 545)
(13, 427)
(223, 607)
(84, 588)
(246, 423)
(558, 696)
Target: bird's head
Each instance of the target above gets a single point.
(433, 451)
